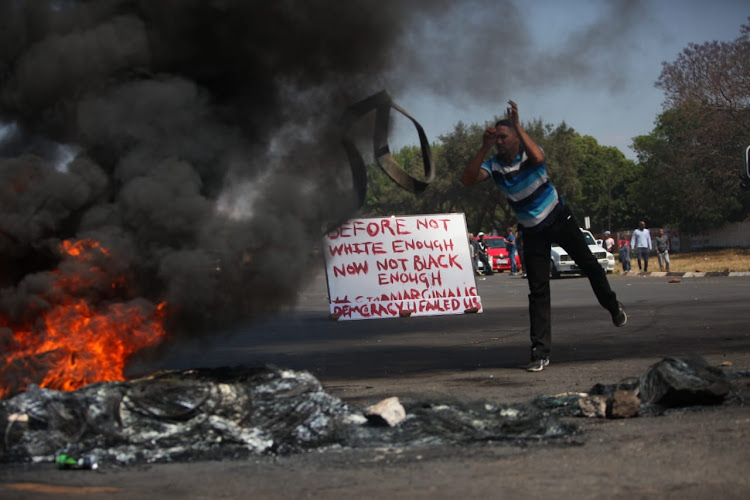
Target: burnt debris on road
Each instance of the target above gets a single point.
(234, 413)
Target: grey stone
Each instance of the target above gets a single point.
(389, 411)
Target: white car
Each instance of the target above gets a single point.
(562, 263)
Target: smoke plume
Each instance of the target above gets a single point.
(203, 144)
(198, 140)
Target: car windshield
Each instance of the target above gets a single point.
(495, 242)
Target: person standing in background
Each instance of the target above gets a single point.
(662, 250)
(483, 255)
(473, 250)
(641, 243)
(510, 246)
(519, 248)
(624, 250)
(609, 242)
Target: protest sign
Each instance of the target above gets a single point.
(417, 265)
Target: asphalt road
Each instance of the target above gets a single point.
(706, 315)
(687, 454)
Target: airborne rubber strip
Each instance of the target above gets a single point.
(381, 103)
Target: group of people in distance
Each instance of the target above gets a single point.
(480, 253)
(642, 244)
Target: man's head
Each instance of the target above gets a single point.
(661, 232)
(642, 225)
(507, 143)
(480, 236)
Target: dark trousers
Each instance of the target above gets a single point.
(625, 258)
(564, 231)
(486, 264)
(642, 253)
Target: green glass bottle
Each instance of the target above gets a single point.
(64, 461)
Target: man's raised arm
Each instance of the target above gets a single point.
(473, 174)
(533, 152)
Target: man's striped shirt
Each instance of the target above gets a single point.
(527, 187)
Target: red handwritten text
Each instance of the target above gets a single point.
(426, 279)
(400, 246)
(432, 223)
(393, 226)
(352, 268)
(393, 309)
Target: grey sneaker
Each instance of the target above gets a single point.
(537, 365)
(619, 317)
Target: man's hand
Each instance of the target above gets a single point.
(512, 113)
(534, 152)
(489, 138)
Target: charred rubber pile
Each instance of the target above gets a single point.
(233, 413)
(175, 416)
(672, 383)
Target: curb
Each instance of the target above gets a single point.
(696, 274)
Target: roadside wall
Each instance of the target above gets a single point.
(736, 234)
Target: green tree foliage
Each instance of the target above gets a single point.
(693, 157)
(562, 161)
(594, 180)
(483, 205)
(711, 77)
(386, 198)
(606, 178)
(687, 170)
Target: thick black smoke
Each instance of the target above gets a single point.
(204, 133)
(206, 143)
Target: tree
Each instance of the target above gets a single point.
(713, 77)
(562, 160)
(593, 180)
(694, 155)
(606, 177)
(691, 165)
(384, 197)
(484, 207)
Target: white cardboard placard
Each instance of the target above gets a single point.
(415, 265)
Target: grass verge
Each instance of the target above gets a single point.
(725, 259)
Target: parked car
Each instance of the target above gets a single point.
(498, 255)
(561, 263)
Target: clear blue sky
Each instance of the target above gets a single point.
(592, 64)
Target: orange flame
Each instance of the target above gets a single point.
(80, 343)
(82, 249)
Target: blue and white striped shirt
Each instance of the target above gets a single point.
(530, 193)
